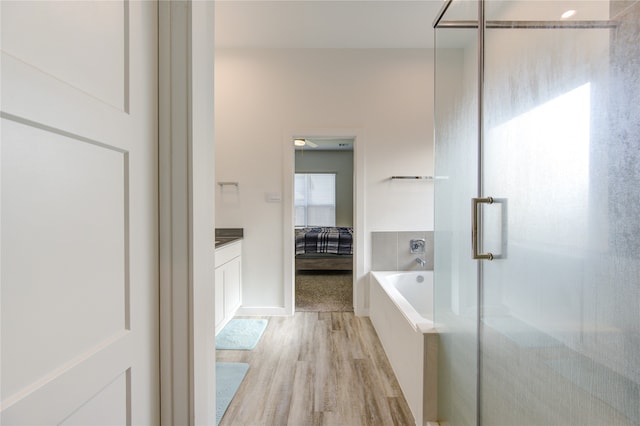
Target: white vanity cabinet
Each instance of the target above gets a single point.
(228, 265)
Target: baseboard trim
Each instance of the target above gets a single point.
(362, 312)
(277, 311)
(257, 311)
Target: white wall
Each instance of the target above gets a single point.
(260, 94)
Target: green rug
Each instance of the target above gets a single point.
(229, 375)
(241, 334)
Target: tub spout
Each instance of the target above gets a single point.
(421, 261)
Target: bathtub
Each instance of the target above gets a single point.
(401, 310)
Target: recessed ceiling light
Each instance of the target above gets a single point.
(568, 14)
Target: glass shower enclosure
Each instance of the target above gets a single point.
(537, 212)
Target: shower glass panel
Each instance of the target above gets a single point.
(560, 302)
(456, 168)
(548, 332)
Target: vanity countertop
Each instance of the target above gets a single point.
(226, 236)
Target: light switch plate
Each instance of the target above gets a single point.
(273, 197)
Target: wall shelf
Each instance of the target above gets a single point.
(411, 178)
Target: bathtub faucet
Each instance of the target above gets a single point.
(421, 261)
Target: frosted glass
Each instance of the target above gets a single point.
(560, 318)
(553, 335)
(455, 273)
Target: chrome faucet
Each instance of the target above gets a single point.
(421, 261)
(417, 245)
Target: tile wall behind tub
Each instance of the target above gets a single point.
(391, 251)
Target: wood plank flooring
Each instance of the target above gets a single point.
(317, 368)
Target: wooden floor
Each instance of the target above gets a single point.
(317, 368)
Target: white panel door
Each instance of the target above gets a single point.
(79, 244)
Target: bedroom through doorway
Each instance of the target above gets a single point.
(323, 221)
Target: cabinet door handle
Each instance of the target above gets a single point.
(475, 226)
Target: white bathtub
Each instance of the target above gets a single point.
(401, 310)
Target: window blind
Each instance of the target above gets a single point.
(315, 199)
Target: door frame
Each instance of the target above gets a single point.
(186, 212)
(288, 167)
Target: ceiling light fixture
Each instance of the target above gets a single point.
(568, 14)
(299, 142)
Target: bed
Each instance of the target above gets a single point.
(324, 248)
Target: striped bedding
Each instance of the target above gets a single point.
(330, 240)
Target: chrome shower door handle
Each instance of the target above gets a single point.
(475, 226)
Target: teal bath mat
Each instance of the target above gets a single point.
(241, 334)
(229, 375)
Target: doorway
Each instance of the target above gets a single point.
(323, 205)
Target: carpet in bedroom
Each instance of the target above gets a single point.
(326, 291)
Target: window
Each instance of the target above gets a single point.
(315, 199)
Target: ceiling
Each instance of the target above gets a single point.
(325, 23)
(367, 23)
